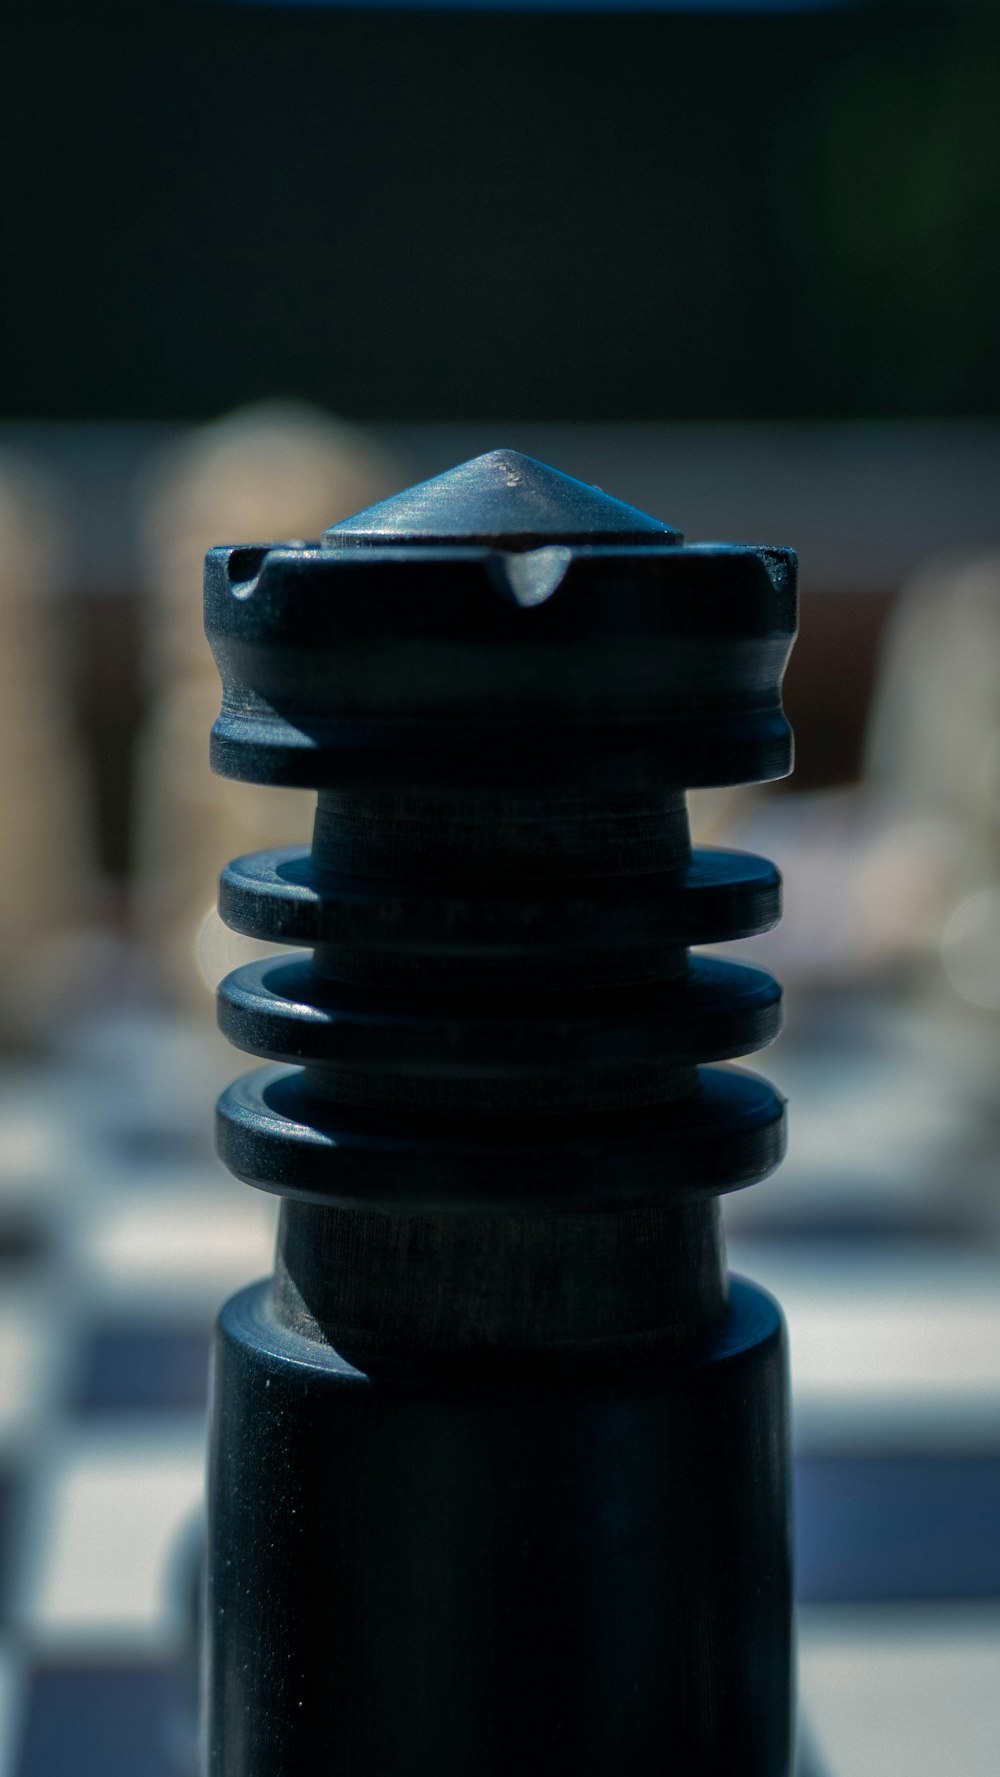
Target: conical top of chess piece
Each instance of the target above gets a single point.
(503, 624)
(504, 499)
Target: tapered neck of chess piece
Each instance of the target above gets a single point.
(495, 1112)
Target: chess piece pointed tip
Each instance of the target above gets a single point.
(505, 500)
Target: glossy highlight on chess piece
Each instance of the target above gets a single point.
(499, 1464)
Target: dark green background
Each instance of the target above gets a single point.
(418, 216)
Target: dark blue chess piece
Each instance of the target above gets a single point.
(499, 1454)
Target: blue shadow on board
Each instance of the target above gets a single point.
(102, 1721)
(898, 1528)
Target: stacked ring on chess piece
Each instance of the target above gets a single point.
(499, 1455)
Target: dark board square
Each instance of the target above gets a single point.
(146, 1147)
(897, 1528)
(23, 1239)
(137, 1367)
(103, 1721)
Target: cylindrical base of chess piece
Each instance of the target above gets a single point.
(554, 1569)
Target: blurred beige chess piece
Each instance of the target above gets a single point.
(897, 878)
(934, 760)
(47, 870)
(272, 472)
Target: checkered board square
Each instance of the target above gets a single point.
(120, 1236)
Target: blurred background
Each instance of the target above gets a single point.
(737, 264)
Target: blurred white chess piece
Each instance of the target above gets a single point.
(47, 876)
(935, 757)
(893, 893)
(898, 875)
(266, 473)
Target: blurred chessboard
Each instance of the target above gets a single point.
(119, 1232)
(120, 1235)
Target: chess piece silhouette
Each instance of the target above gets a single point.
(499, 1455)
